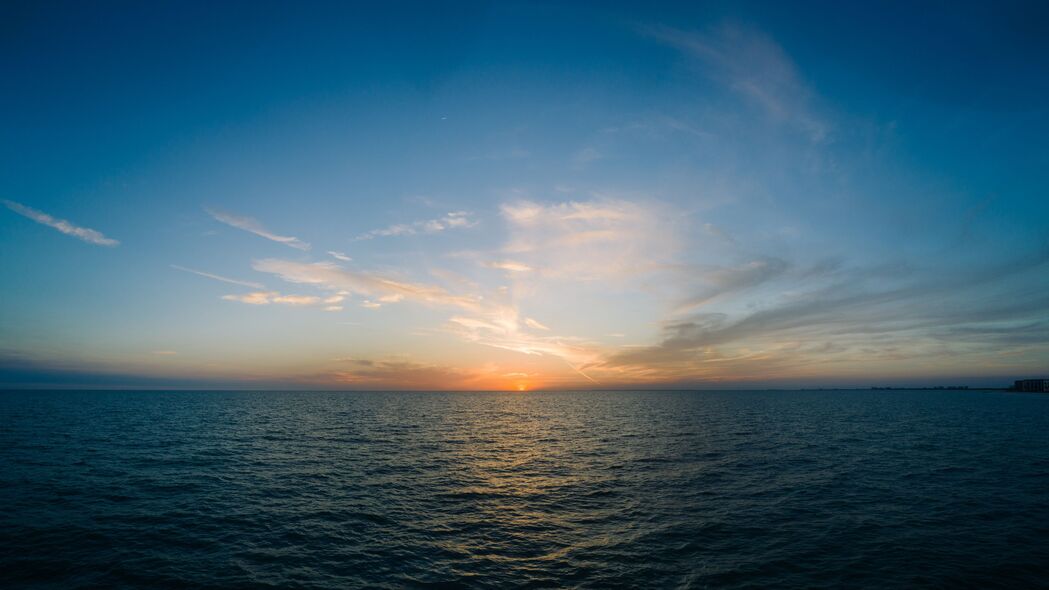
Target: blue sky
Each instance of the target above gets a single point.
(522, 196)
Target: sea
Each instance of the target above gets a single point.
(625, 489)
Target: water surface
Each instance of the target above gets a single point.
(501, 490)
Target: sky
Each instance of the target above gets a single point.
(523, 196)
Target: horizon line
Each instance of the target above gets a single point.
(4, 388)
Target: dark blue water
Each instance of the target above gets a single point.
(646, 489)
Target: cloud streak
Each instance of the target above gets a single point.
(723, 281)
(332, 277)
(268, 297)
(88, 235)
(411, 375)
(454, 220)
(601, 238)
(253, 226)
(856, 318)
(218, 277)
(487, 321)
(508, 265)
(753, 66)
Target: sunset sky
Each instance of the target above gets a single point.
(522, 196)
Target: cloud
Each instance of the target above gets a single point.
(486, 321)
(268, 297)
(853, 318)
(454, 220)
(410, 375)
(722, 281)
(764, 317)
(376, 304)
(339, 256)
(535, 325)
(88, 235)
(297, 299)
(218, 277)
(508, 265)
(602, 238)
(500, 327)
(164, 352)
(335, 278)
(256, 298)
(253, 226)
(754, 66)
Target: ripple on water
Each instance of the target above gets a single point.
(445, 490)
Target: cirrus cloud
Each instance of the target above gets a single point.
(453, 220)
(253, 226)
(268, 297)
(602, 238)
(86, 234)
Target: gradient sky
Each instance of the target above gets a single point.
(523, 196)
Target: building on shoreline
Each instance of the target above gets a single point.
(1032, 385)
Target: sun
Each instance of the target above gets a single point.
(522, 386)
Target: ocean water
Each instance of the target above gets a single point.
(856, 489)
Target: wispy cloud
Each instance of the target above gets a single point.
(490, 321)
(764, 317)
(508, 265)
(754, 66)
(268, 297)
(335, 278)
(454, 220)
(253, 226)
(339, 256)
(87, 234)
(256, 298)
(408, 374)
(531, 323)
(855, 318)
(385, 299)
(218, 277)
(500, 327)
(601, 238)
(297, 299)
(720, 281)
